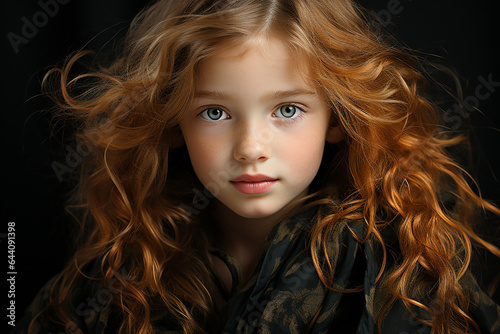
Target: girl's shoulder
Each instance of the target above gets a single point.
(368, 259)
(88, 306)
(39, 303)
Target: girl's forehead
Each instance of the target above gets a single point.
(272, 48)
(258, 71)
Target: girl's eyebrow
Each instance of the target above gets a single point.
(283, 94)
(212, 94)
(278, 95)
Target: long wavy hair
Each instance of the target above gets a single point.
(136, 180)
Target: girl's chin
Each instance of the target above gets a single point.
(257, 211)
(254, 214)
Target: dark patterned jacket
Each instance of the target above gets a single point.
(285, 294)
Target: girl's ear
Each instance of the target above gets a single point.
(176, 138)
(335, 133)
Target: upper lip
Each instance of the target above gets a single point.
(253, 178)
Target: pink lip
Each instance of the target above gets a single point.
(253, 184)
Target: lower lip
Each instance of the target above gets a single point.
(253, 188)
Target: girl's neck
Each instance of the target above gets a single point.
(241, 237)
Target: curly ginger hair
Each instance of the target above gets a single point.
(134, 180)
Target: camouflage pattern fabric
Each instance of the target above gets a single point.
(286, 295)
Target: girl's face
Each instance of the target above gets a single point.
(256, 130)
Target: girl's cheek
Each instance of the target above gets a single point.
(205, 152)
(304, 155)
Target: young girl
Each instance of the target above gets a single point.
(264, 166)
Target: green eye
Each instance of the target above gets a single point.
(287, 111)
(213, 114)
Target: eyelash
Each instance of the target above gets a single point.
(297, 118)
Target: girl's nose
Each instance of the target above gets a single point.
(253, 144)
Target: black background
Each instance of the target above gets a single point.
(463, 33)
